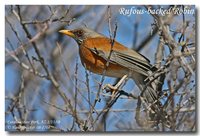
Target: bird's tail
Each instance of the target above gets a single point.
(151, 93)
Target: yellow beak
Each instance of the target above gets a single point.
(67, 32)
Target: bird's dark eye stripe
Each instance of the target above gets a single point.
(78, 33)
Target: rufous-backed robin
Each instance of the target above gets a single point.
(94, 50)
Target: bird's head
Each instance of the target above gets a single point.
(81, 34)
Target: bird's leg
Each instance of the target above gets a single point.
(114, 89)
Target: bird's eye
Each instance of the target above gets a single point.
(79, 33)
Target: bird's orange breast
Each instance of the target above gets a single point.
(96, 63)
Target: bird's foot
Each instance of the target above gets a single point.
(114, 89)
(110, 88)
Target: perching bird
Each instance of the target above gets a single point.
(94, 50)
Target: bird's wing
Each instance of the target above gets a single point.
(126, 58)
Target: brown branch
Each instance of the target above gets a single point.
(112, 41)
(44, 65)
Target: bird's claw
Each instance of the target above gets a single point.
(115, 89)
(110, 88)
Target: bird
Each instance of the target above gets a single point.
(94, 51)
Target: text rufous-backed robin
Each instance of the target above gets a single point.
(94, 50)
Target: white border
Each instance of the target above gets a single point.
(101, 2)
(2, 70)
